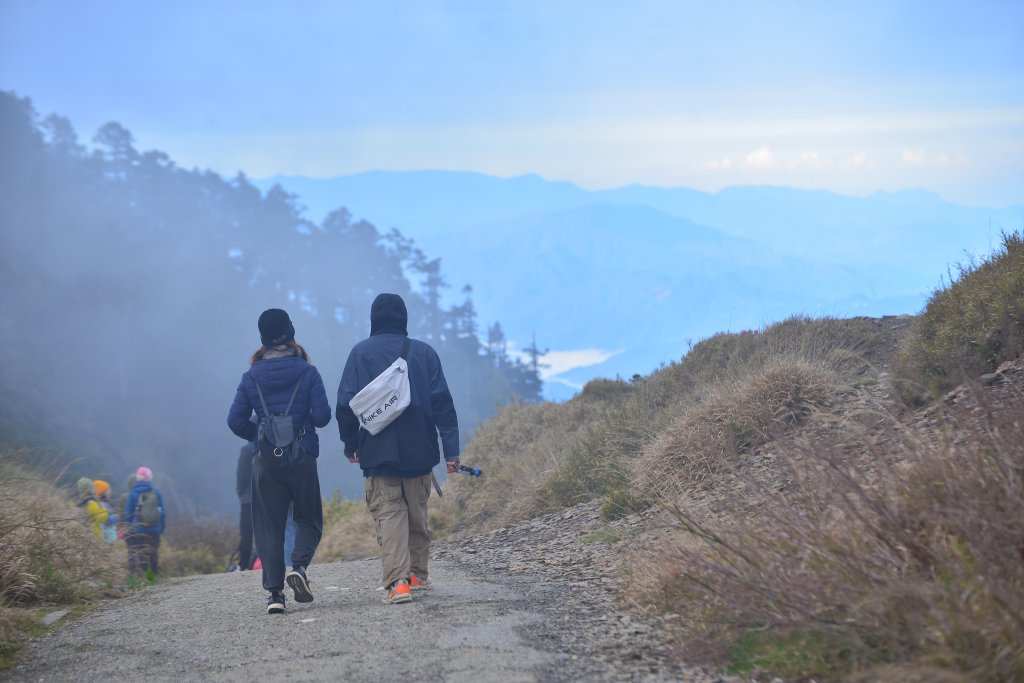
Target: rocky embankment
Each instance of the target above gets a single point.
(572, 564)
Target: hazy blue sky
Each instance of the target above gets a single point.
(854, 96)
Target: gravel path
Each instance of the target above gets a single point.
(476, 625)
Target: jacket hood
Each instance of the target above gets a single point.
(141, 486)
(388, 315)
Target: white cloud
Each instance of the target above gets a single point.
(564, 361)
(944, 159)
(576, 386)
(859, 162)
(913, 157)
(718, 164)
(810, 159)
(761, 157)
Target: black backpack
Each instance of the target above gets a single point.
(279, 445)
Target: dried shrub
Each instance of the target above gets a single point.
(48, 554)
(540, 458)
(968, 327)
(349, 532)
(197, 546)
(910, 555)
(518, 449)
(734, 420)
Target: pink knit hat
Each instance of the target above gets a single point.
(144, 474)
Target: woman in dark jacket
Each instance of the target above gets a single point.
(280, 370)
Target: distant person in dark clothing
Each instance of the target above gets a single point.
(243, 487)
(280, 369)
(145, 520)
(398, 461)
(122, 500)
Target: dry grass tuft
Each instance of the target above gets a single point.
(47, 552)
(349, 532)
(910, 556)
(518, 449)
(540, 458)
(733, 420)
(197, 546)
(48, 555)
(968, 327)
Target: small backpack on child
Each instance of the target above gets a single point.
(147, 511)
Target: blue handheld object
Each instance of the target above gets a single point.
(472, 471)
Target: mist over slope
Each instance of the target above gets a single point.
(657, 267)
(133, 288)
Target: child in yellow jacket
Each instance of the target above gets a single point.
(109, 527)
(95, 512)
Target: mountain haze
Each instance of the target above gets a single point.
(658, 267)
(134, 287)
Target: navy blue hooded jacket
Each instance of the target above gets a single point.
(130, 512)
(277, 378)
(408, 446)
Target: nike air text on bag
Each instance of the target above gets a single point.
(381, 401)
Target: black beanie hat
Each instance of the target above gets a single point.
(275, 327)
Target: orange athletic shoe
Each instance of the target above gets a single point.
(398, 592)
(417, 584)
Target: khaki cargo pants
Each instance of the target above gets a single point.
(399, 511)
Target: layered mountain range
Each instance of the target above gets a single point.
(615, 282)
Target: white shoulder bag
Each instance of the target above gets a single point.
(381, 401)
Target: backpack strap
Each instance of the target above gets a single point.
(294, 391)
(263, 401)
(405, 349)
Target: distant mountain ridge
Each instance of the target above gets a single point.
(638, 270)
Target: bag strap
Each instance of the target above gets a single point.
(263, 401)
(295, 390)
(405, 349)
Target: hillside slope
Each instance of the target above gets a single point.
(663, 563)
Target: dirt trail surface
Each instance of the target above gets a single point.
(481, 622)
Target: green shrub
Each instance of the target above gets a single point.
(793, 654)
(586, 473)
(197, 546)
(968, 327)
(620, 503)
(605, 389)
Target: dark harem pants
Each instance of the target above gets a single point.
(273, 489)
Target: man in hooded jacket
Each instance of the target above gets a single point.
(397, 462)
